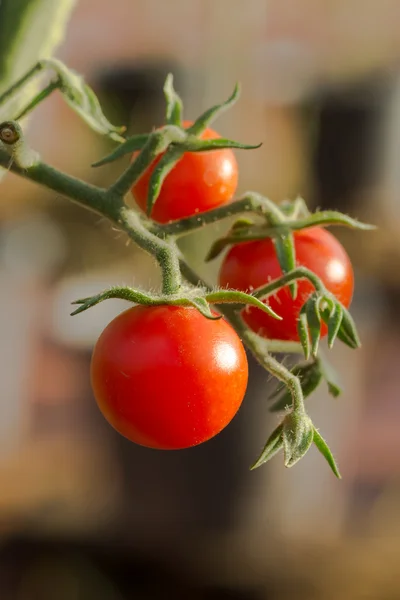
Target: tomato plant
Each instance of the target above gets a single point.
(199, 182)
(252, 264)
(166, 377)
(168, 373)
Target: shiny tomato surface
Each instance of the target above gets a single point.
(166, 377)
(250, 265)
(199, 182)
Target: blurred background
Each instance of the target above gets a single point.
(85, 514)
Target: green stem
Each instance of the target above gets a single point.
(294, 275)
(165, 252)
(255, 344)
(258, 350)
(54, 85)
(103, 203)
(92, 197)
(155, 145)
(251, 202)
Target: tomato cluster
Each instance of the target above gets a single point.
(166, 377)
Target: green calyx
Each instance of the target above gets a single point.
(184, 140)
(194, 297)
(325, 308)
(295, 435)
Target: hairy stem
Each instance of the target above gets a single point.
(102, 202)
(251, 202)
(294, 275)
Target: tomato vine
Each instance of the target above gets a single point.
(160, 154)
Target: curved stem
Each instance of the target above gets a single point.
(251, 202)
(92, 197)
(258, 350)
(164, 252)
(294, 275)
(102, 202)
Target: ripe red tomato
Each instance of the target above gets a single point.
(252, 264)
(199, 182)
(166, 377)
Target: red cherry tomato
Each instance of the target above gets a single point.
(166, 377)
(199, 182)
(252, 264)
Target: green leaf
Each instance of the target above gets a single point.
(302, 328)
(165, 165)
(195, 144)
(310, 376)
(132, 144)
(286, 254)
(272, 447)
(348, 331)
(237, 297)
(326, 452)
(297, 436)
(174, 102)
(83, 100)
(212, 113)
(312, 309)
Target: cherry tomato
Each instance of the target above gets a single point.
(250, 265)
(166, 377)
(199, 182)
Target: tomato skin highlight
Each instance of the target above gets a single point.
(199, 182)
(250, 265)
(168, 378)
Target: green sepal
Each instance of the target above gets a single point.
(164, 166)
(334, 322)
(237, 297)
(323, 447)
(312, 309)
(302, 329)
(173, 114)
(122, 293)
(272, 447)
(348, 331)
(203, 307)
(242, 223)
(286, 254)
(132, 144)
(195, 144)
(202, 122)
